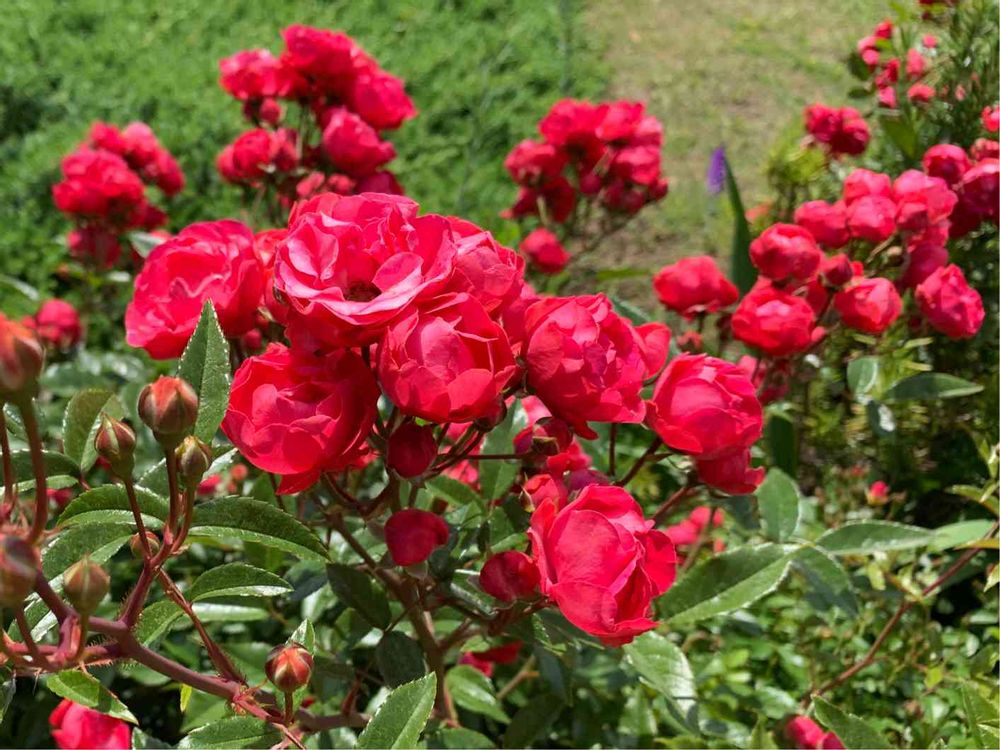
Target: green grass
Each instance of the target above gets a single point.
(732, 72)
(480, 71)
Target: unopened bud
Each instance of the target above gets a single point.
(115, 443)
(509, 575)
(289, 667)
(411, 449)
(135, 544)
(18, 570)
(170, 407)
(193, 459)
(496, 415)
(836, 270)
(21, 359)
(86, 584)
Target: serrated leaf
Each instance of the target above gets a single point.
(927, 386)
(460, 738)
(86, 690)
(232, 732)
(827, 578)
(958, 534)
(455, 491)
(726, 582)
(73, 543)
(400, 719)
(143, 741)
(359, 592)
(155, 620)
(473, 691)
(56, 464)
(663, 666)
(778, 500)
(852, 731)
(980, 716)
(109, 504)
(155, 479)
(865, 537)
(237, 579)
(81, 420)
(399, 658)
(254, 521)
(532, 720)
(205, 365)
(862, 375)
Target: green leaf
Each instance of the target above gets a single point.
(81, 420)
(400, 719)
(742, 270)
(782, 442)
(532, 720)
(237, 579)
(901, 132)
(254, 521)
(864, 537)
(778, 500)
(7, 690)
(853, 732)
(460, 738)
(928, 386)
(981, 716)
(155, 480)
(56, 464)
(472, 690)
(205, 365)
(862, 375)
(85, 689)
(143, 741)
(155, 620)
(761, 739)
(663, 666)
(828, 579)
(109, 504)
(726, 582)
(959, 533)
(359, 592)
(100, 541)
(232, 732)
(455, 491)
(399, 658)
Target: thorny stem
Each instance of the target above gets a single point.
(140, 525)
(37, 660)
(41, 517)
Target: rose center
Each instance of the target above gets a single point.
(362, 291)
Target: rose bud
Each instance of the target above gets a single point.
(289, 667)
(169, 406)
(412, 449)
(509, 575)
(193, 459)
(21, 360)
(878, 493)
(411, 535)
(135, 544)
(18, 570)
(785, 252)
(85, 585)
(869, 305)
(836, 270)
(115, 443)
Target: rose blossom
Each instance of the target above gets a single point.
(544, 250)
(705, 406)
(868, 305)
(695, 285)
(448, 362)
(531, 163)
(947, 162)
(827, 222)
(57, 324)
(213, 261)
(786, 251)
(297, 415)
(380, 100)
(353, 145)
(923, 259)
(871, 218)
(601, 561)
(774, 321)
(921, 200)
(411, 535)
(950, 305)
(252, 74)
(862, 182)
(98, 184)
(78, 727)
(485, 269)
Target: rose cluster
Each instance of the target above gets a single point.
(840, 131)
(103, 189)
(342, 101)
(362, 298)
(894, 75)
(591, 156)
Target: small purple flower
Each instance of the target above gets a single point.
(715, 177)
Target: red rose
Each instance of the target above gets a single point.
(868, 305)
(835, 271)
(947, 162)
(380, 100)
(322, 61)
(351, 265)
(980, 188)
(601, 562)
(804, 733)
(694, 286)
(487, 270)
(730, 472)
(920, 93)
(573, 125)
(106, 137)
(448, 362)
(774, 321)
(991, 119)
(78, 727)
(508, 576)
(545, 251)
(786, 251)
(531, 163)
(842, 130)
(382, 181)
(921, 200)
(557, 194)
(256, 153)
(984, 148)
(297, 415)
(94, 245)
(165, 173)
(871, 218)
(411, 535)
(923, 259)
(705, 406)
(916, 64)
(862, 182)
(99, 185)
(887, 97)
(827, 222)
(353, 145)
(411, 449)
(950, 305)
(58, 324)
(252, 74)
(584, 362)
(215, 261)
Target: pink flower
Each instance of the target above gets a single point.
(695, 285)
(78, 727)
